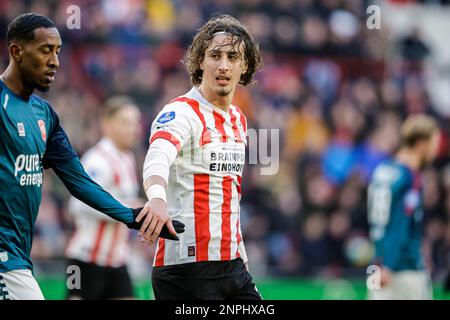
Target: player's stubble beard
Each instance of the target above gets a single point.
(33, 84)
(425, 162)
(223, 92)
(41, 88)
(422, 164)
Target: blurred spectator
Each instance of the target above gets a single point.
(413, 48)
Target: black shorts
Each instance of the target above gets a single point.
(208, 280)
(100, 283)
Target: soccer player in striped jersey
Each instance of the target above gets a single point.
(100, 245)
(193, 170)
(31, 139)
(395, 208)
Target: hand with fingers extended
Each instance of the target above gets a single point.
(153, 221)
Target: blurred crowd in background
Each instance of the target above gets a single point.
(336, 90)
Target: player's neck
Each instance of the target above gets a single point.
(409, 158)
(13, 80)
(222, 102)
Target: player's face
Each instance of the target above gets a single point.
(222, 66)
(428, 149)
(40, 58)
(433, 147)
(125, 127)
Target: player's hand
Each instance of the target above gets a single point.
(177, 225)
(156, 217)
(385, 277)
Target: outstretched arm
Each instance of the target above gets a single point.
(61, 157)
(170, 131)
(82, 187)
(160, 156)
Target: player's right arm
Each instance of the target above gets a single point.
(60, 156)
(157, 204)
(170, 131)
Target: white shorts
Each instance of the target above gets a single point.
(19, 285)
(405, 285)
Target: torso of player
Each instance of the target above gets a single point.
(25, 126)
(98, 239)
(23, 136)
(396, 191)
(204, 186)
(24, 129)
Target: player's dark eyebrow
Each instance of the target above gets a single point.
(49, 45)
(218, 51)
(234, 52)
(214, 50)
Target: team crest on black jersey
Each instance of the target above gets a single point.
(41, 124)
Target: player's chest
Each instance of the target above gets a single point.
(224, 128)
(24, 129)
(218, 150)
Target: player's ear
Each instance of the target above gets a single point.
(16, 52)
(244, 67)
(244, 71)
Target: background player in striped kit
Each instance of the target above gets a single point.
(99, 245)
(196, 154)
(395, 204)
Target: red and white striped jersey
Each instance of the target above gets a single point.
(99, 239)
(204, 185)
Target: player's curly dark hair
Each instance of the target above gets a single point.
(22, 27)
(224, 23)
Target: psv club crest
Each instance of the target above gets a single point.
(41, 124)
